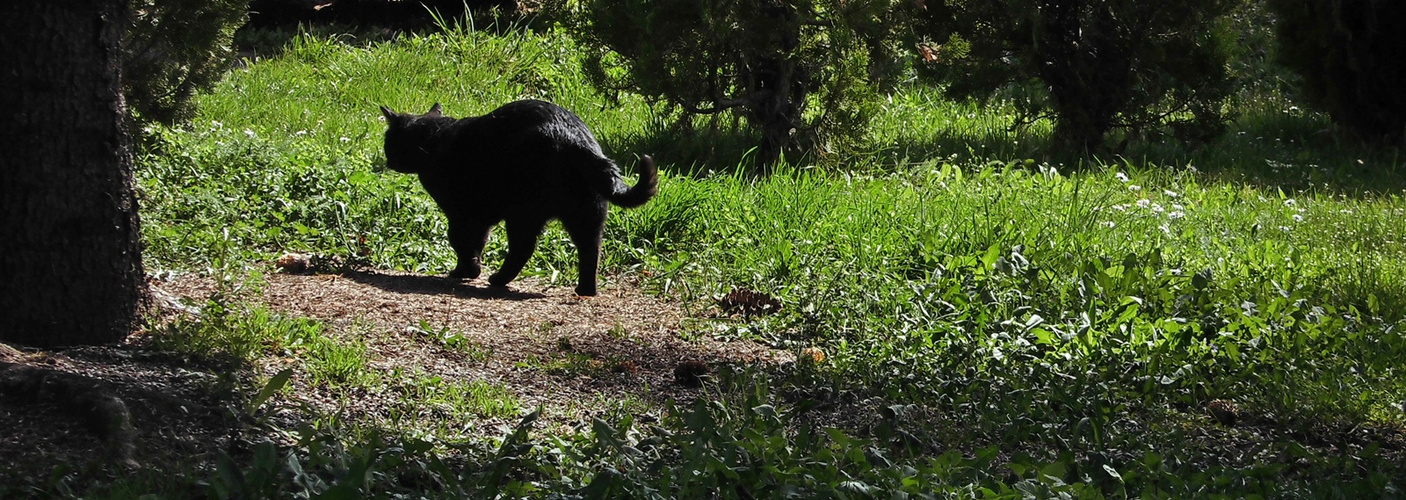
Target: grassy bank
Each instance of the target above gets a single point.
(995, 323)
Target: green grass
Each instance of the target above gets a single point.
(1014, 323)
(452, 340)
(449, 399)
(235, 331)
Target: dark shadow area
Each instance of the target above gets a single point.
(401, 14)
(695, 151)
(273, 24)
(1296, 152)
(1288, 149)
(999, 146)
(1292, 151)
(706, 146)
(435, 285)
(94, 414)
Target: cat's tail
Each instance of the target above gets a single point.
(641, 192)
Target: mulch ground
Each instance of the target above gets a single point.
(573, 357)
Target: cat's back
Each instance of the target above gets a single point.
(534, 123)
(529, 112)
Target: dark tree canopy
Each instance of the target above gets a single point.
(1094, 66)
(174, 49)
(799, 72)
(1351, 55)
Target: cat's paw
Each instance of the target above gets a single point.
(586, 291)
(498, 279)
(467, 272)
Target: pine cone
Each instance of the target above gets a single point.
(1224, 411)
(749, 302)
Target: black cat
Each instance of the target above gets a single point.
(524, 163)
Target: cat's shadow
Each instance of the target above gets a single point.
(435, 285)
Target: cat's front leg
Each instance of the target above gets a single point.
(468, 239)
(522, 241)
(466, 270)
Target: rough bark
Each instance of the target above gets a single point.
(70, 255)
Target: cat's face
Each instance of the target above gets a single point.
(408, 145)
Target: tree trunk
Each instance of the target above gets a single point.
(1086, 65)
(70, 250)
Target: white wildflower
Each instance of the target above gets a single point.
(1134, 187)
(249, 133)
(1298, 218)
(346, 139)
(1289, 202)
(1122, 177)
(1143, 203)
(1175, 214)
(1108, 224)
(1169, 193)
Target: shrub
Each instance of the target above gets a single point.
(1093, 66)
(175, 48)
(414, 14)
(800, 72)
(1349, 55)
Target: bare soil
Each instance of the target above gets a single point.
(574, 357)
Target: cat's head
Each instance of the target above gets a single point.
(409, 143)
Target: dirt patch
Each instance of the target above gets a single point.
(539, 344)
(547, 346)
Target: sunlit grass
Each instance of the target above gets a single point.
(1049, 310)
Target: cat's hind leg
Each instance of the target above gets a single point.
(586, 235)
(522, 241)
(468, 238)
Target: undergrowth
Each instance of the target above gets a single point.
(997, 323)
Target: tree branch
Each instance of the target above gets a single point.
(720, 105)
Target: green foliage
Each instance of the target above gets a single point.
(451, 399)
(1073, 312)
(285, 156)
(1094, 67)
(1348, 54)
(452, 340)
(235, 332)
(806, 75)
(993, 326)
(229, 331)
(175, 48)
(739, 441)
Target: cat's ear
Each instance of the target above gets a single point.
(387, 111)
(434, 111)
